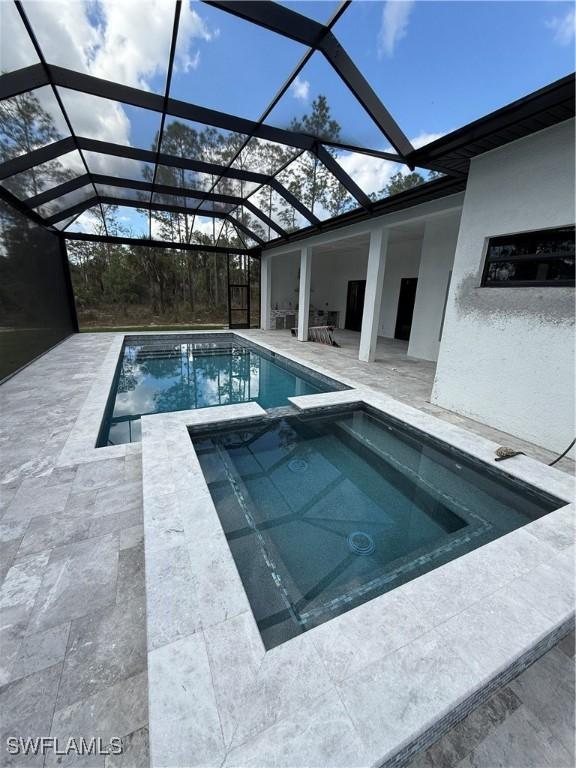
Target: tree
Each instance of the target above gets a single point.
(307, 178)
(27, 126)
(399, 182)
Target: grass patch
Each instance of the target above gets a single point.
(159, 328)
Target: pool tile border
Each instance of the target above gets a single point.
(391, 693)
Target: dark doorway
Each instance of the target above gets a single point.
(355, 304)
(405, 307)
(238, 290)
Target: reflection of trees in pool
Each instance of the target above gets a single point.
(164, 368)
(180, 396)
(128, 378)
(206, 379)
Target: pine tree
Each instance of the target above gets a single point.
(27, 126)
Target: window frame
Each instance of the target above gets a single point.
(485, 283)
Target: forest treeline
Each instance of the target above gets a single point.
(136, 285)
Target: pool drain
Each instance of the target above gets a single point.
(298, 465)
(361, 543)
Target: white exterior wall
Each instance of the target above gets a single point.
(285, 281)
(330, 276)
(265, 292)
(403, 260)
(332, 272)
(437, 258)
(507, 354)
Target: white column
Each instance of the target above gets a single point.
(436, 262)
(265, 292)
(304, 293)
(373, 296)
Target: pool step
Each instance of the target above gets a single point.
(173, 352)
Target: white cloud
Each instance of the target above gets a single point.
(86, 222)
(201, 224)
(372, 173)
(190, 62)
(425, 138)
(206, 226)
(395, 16)
(564, 27)
(191, 27)
(300, 88)
(125, 41)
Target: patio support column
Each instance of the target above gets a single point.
(373, 296)
(265, 292)
(304, 293)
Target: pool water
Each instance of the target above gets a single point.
(323, 513)
(162, 375)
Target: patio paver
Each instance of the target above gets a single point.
(74, 572)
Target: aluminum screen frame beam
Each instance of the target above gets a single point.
(175, 25)
(38, 156)
(295, 26)
(180, 209)
(195, 194)
(275, 18)
(33, 77)
(17, 204)
(58, 148)
(146, 243)
(170, 107)
(22, 80)
(40, 53)
(146, 186)
(201, 166)
(282, 91)
(60, 189)
(336, 170)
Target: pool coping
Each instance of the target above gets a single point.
(370, 687)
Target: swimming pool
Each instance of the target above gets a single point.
(325, 512)
(176, 373)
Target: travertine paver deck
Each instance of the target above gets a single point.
(392, 672)
(72, 609)
(72, 631)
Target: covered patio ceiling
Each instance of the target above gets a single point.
(253, 182)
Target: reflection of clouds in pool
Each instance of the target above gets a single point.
(147, 381)
(212, 390)
(170, 377)
(140, 400)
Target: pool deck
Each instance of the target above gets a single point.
(73, 601)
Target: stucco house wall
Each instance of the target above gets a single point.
(402, 260)
(507, 354)
(437, 259)
(329, 280)
(284, 287)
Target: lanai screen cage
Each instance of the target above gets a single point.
(162, 172)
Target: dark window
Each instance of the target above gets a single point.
(544, 257)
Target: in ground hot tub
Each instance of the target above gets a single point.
(325, 512)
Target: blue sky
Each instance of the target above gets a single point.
(436, 65)
(450, 62)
